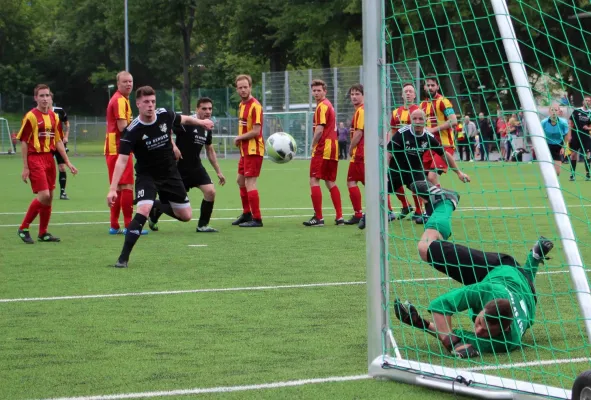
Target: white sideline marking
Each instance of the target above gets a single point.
(236, 289)
(221, 389)
(197, 245)
(529, 364)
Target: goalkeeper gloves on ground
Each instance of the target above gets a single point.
(409, 315)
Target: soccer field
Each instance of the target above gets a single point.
(277, 312)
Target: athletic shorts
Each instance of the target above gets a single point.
(127, 176)
(170, 190)
(356, 172)
(440, 221)
(434, 162)
(555, 151)
(42, 171)
(325, 170)
(396, 180)
(580, 143)
(250, 166)
(195, 177)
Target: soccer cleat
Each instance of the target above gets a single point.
(353, 220)
(420, 219)
(572, 178)
(48, 237)
(253, 223)
(405, 212)
(120, 264)
(392, 216)
(25, 236)
(314, 222)
(144, 231)
(115, 231)
(153, 225)
(206, 228)
(339, 221)
(542, 247)
(361, 224)
(64, 196)
(244, 217)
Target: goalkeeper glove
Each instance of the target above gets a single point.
(409, 315)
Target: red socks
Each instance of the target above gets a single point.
(355, 195)
(126, 204)
(335, 195)
(44, 215)
(401, 197)
(244, 198)
(34, 209)
(253, 201)
(115, 210)
(418, 204)
(317, 201)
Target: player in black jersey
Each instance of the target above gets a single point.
(578, 136)
(61, 164)
(190, 141)
(148, 137)
(405, 158)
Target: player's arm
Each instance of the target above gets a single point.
(121, 124)
(25, 154)
(357, 135)
(254, 132)
(188, 120)
(569, 135)
(317, 134)
(213, 160)
(23, 135)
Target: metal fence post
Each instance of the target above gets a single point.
(264, 90)
(335, 83)
(286, 91)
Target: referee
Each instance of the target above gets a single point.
(190, 140)
(61, 164)
(555, 129)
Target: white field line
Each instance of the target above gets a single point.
(197, 245)
(221, 389)
(234, 289)
(302, 382)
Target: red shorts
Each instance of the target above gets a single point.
(127, 176)
(325, 170)
(41, 171)
(434, 162)
(356, 172)
(250, 166)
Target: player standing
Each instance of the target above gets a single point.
(41, 135)
(400, 118)
(578, 136)
(61, 165)
(190, 140)
(118, 117)
(325, 154)
(252, 150)
(555, 129)
(148, 138)
(356, 171)
(441, 121)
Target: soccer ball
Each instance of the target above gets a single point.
(281, 147)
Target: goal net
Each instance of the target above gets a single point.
(6, 145)
(514, 65)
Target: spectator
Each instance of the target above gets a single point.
(486, 136)
(462, 142)
(513, 130)
(343, 134)
(470, 132)
(501, 136)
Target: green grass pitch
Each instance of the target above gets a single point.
(249, 307)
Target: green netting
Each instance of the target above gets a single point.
(505, 208)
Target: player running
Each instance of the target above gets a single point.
(441, 122)
(325, 156)
(61, 164)
(499, 294)
(41, 135)
(578, 137)
(400, 118)
(252, 149)
(148, 138)
(356, 171)
(190, 140)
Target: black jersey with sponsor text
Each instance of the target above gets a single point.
(581, 118)
(407, 149)
(151, 144)
(190, 140)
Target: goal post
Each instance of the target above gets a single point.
(505, 208)
(6, 146)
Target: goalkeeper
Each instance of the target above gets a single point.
(498, 293)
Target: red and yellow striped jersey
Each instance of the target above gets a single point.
(358, 124)
(401, 116)
(250, 113)
(40, 131)
(117, 109)
(438, 111)
(460, 135)
(328, 146)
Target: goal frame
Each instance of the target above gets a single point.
(309, 114)
(381, 340)
(5, 140)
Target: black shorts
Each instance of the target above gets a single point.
(169, 190)
(195, 177)
(555, 151)
(397, 179)
(580, 143)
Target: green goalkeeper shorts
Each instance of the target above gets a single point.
(440, 219)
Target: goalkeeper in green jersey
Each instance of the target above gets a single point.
(498, 293)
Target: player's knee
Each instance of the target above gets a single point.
(144, 209)
(209, 193)
(423, 248)
(45, 197)
(184, 214)
(240, 180)
(351, 184)
(330, 184)
(61, 167)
